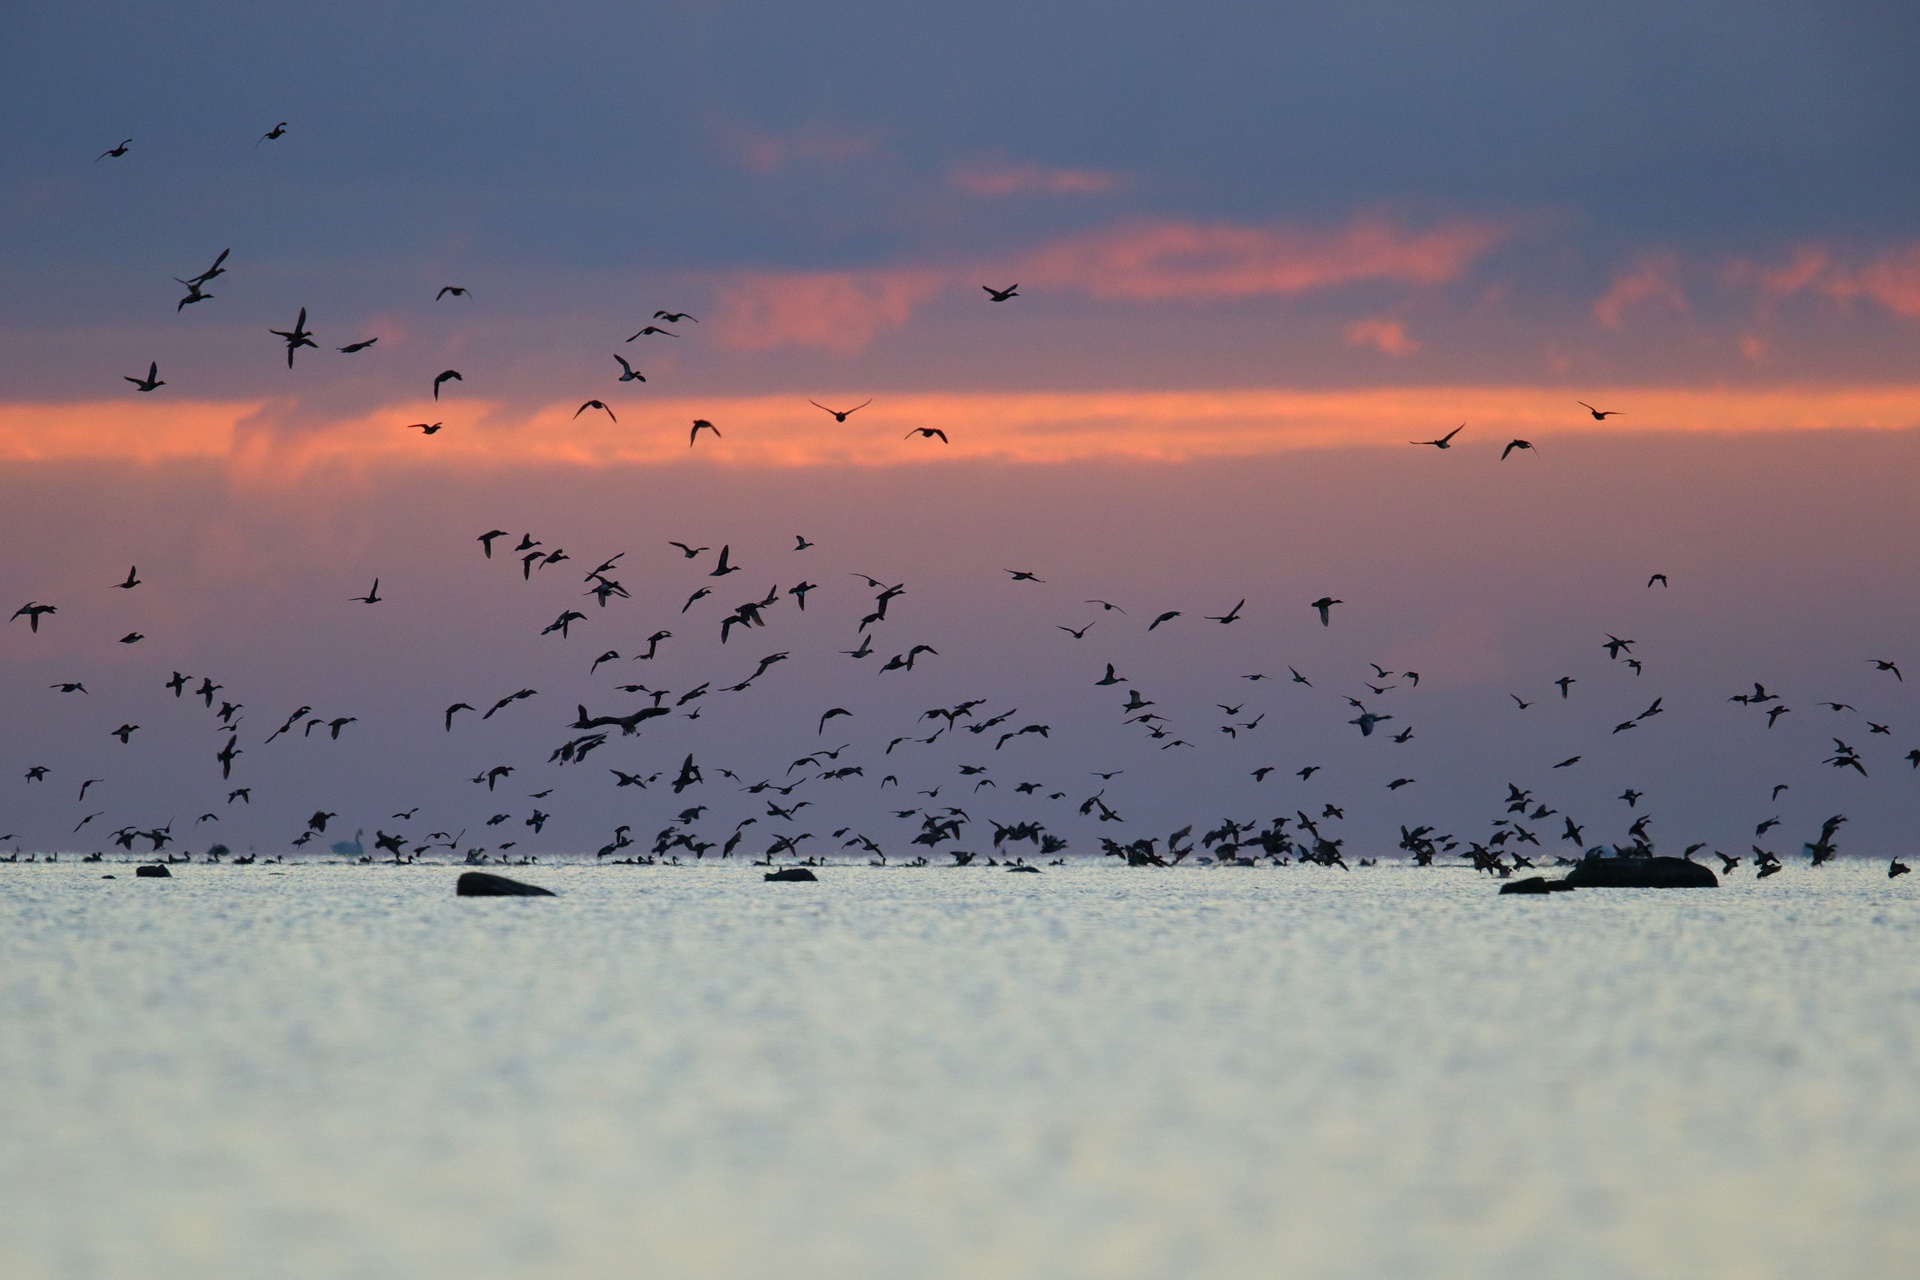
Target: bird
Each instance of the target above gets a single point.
(427, 429)
(152, 379)
(373, 595)
(133, 579)
(595, 404)
(1445, 441)
(840, 415)
(1514, 444)
(627, 372)
(1024, 575)
(69, 686)
(1599, 415)
(458, 706)
(829, 714)
(1325, 605)
(297, 337)
(689, 552)
(1398, 783)
(927, 433)
(277, 131)
(450, 375)
(653, 328)
(1564, 682)
(1001, 295)
(1231, 615)
(1568, 763)
(115, 152)
(1081, 634)
(1297, 677)
(454, 289)
(486, 540)
(1168, 616)
(32, 611)
(722, 568)
(1660, 578)
(133, 637)
(123, 733)
(699, 425)
(1881, 664)
(352, 347)
(675, 317)
(1522, 703)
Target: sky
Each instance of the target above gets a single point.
(1260, 250)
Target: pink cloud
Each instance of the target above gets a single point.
(1150, 261)
(1389, 336)
(1892, 280)
(1654, 278)
(1033, 179)
(838, 311)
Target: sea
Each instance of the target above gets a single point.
(347, 1072)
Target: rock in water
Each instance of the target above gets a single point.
(480, 884)
(792, 873)
(1641, 873)
(153, 871)
(1532, 884)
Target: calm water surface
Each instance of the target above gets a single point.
(333, 1071)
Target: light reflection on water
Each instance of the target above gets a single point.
(346, 1071)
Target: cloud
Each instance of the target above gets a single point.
(997, 182)
(838, 311)
(1214, 261)
(1654, 278)
(1389, 336)
(1133, 262)
(765, 151)
(1891, 280)
(257, 445)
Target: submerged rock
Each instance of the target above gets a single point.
(481, 884)
(792, 873)
(153, 871)
(1641, 873)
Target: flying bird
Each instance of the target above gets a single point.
(1001, 295)
(427, 429)
(1168, 616)
(1231, 615)
(373, 595)
(595, 404)
(152, 379)
(1325, 605)
(450, 375)
(840, 415)
(456, 290)
(627, 372)
(927, 433)
(115, 152)
(1445, 441)
(1660, 578)
(1599, 415)
(1514, 444)
(277, 131)
(675, 317)
(133, 579)
(352, 347)
(652, 328)
(297, 337)
(699, 425)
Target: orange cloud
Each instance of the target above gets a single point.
(1389, 336)
(1135, 262)
(1033, 179)
(1653, 279)
(1892, 280)
(838, 311)
(1154, 261)
(1024, 428)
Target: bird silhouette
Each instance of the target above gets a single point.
(699, 425)
(927, 433)
(115, 152)
(840, 415)
(1515, 444)
(1599, 415)
(595, 404)
(1445, 441)
(297, 337)
(449, 375)
(1325, 605)
(1001, 295)
(153, 378)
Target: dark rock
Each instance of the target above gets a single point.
(153, 871)
(792, 873)
(1532, 884)
(480, 884)
(1641, 873)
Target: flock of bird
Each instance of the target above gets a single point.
(692, 801)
